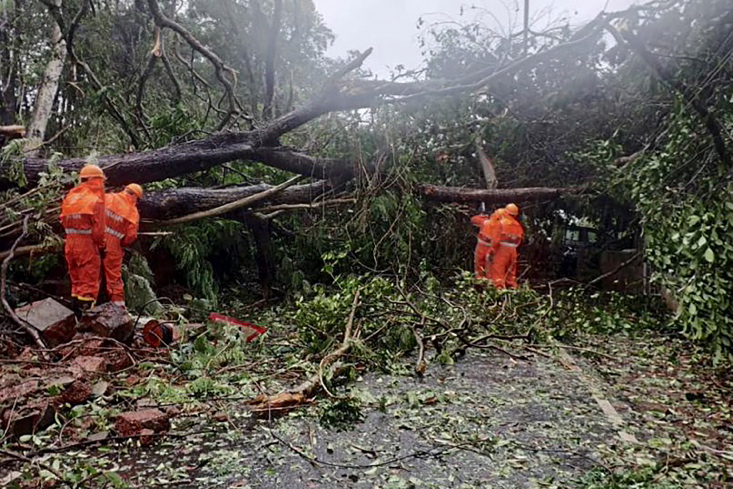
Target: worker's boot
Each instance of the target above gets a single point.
(80, 306)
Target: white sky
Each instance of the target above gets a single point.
(390, 26)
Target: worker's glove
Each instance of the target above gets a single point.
(103, 253)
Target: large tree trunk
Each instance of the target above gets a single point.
(47, 93)
(181, 159)
(172, 203)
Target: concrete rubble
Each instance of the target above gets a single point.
(55, 323)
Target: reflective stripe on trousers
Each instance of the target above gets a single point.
(508, 244)
(78, 231)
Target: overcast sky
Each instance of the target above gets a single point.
(390, 26)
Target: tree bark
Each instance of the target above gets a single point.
(265, 251)
(47, 92)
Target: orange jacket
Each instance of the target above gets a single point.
(123, 218)
(82, 211)
(508, 232)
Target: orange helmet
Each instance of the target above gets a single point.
(512, 209)
(91, 171)
(135, 189)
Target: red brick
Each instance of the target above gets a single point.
(28, 419)
(132, 423)
(146, 437)
(77, 393)
(117, 360)
(84, 365)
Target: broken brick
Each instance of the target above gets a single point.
(85, 365)
(134, 422)
(118, 360)
(55, 323)
(147, 437)
(109, 321)
(77, 393)
(28, 419)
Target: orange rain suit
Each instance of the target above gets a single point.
(83, 219)
(123, 220)
(506, 237)
(483, 253)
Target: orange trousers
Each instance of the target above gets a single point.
(503, 272)
(481, 256)
(82, 256)
(113, 270)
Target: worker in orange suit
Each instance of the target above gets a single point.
(83, 219)
(505, 239)
(123, 221)
(482, 253)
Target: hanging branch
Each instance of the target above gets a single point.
(234, 106)
(486, 165)
(68, 35)
(4, 285)
(711, 122)
(268, 109)
(155, 54)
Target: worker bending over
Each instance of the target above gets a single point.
(505, 239)
(483, 253)
(83, 219)
(123, 220)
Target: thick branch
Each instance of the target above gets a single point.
(495, 196)
(232, 206)
(487, 167)
(268, 111)
(4, 284)
(173, 203)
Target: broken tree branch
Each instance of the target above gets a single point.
(232, 206)
(690, 96)
(220, 68)
(487, 166)
(4, 286)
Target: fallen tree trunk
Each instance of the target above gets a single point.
(181, 159)
(172, 203)
(495, 196)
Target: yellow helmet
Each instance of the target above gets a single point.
(135, 189)
(91, 171)
(512, 209)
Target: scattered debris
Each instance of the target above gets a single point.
(134, 423)
(55, 322)
(84, 365)
(251, 330)
(110, 321)
(157, 334)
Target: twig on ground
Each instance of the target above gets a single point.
(4, 285)
(345, 346)
(315, 460)
(28, 460)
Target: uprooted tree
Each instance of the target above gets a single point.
(215, 120)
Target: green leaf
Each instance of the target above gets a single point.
(709, 255)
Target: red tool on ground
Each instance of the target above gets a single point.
(252, 330)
